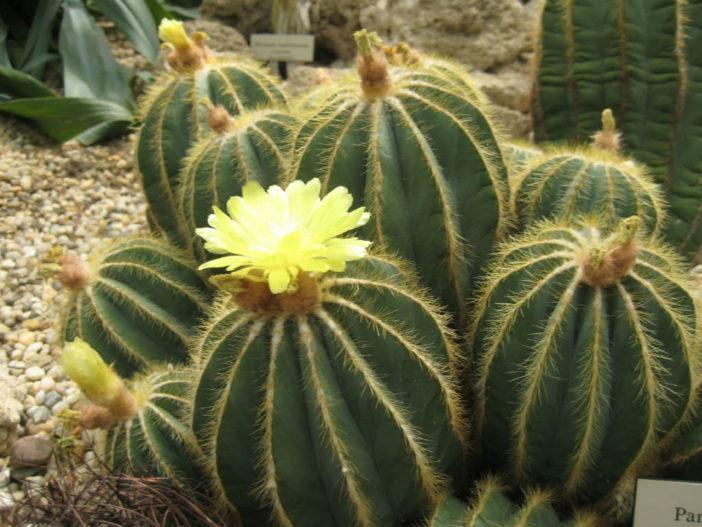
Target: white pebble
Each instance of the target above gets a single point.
(47, 384)
(40, 396)
(61, 405)
(34, 373)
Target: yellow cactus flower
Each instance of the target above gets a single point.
(274, 235)
(85, 366)
(172, 32)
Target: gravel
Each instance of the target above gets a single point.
(51, 194)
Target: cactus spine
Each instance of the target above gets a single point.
(413, 143)
(255, 145)
(593, 332)
(174, 118)
(339, 413)
(137, 303)
(652, 84)
(491, 508)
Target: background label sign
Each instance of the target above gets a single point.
(284, 48)
(664, 503)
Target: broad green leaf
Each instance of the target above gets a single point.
(4, 57)
(65, 118)
(133, 19)
(157, 11)
(39, 37)
(17, 84)
(89, 68)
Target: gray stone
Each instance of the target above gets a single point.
(51, 398)
(31, 452)
(39, 414)
(247, 16)
(7, 501)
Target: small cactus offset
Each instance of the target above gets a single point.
(595, 55)
(174, 117)
(253, 146)
(594, 180)
(155, 440)
(411, 140)
(137, 302)
(490, 507)
(586, 356)
(323, 400)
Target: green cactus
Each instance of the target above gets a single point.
(491, 508)
(338, 412)
(173, 118)
(255, 145)
(596, 55)
(137, 302)
(587, 181)
(412, 142)
(586, 355)
(155, 440)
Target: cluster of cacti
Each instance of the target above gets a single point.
(329, 384)
(642, 60)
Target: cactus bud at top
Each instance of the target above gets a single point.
(99, 382)
(609, 138)
(606, 264)
(372, 65)
(186, 53)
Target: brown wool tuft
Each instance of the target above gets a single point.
(191, 58)
(122, 406)
(256, 297)
(219, 119)
(610, 141)
(374, 73)
(616, 264)
(75, 274)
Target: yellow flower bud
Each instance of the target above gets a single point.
(173, 32)
(85, 366)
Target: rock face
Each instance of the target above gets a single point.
(11, 396)
(247, 16)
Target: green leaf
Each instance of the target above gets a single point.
(89, 68)
(182, 9)
(65, 118)
(133, 19)
(4, 57)
(157, 11)
(39, 37)
(17, 84)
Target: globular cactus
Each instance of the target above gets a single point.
(321, 400)
(590, 181)
(155, 440)
(490, 507)
(144, 417)
(253, 146)
(517, 154)
(174, 117)
(411, 139)
(586, 355)
(599, 55)
(137, 302)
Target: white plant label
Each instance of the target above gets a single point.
(283, 48)
(665, 503)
